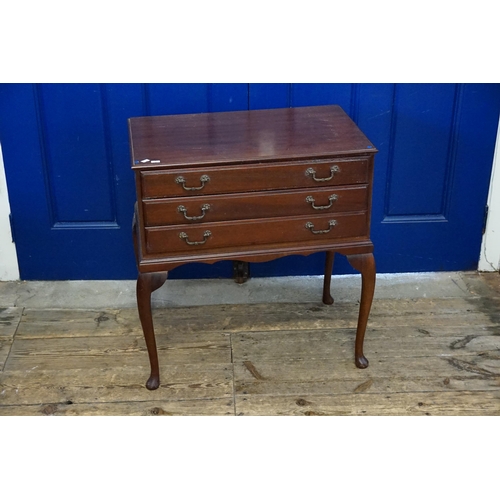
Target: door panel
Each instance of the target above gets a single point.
(173, 99)
(70, 203)
(75, 154)
(434, 223)
(72, 191)
(317, 94)
(269, 95)
(422, 141)
(228, 97)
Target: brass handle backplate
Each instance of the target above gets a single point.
(331, 199)
(334, 169)
(183, 210)
(203, 179)
(206, 235)
(310, 226)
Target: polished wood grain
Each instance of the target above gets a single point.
(146, 284)
(250, 187)
(365, 264)
(263, 253)
(254, 233)
(245, 136)
(241, 206)
(254, 177)
(327, 297)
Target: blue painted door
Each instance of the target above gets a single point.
(71, 190)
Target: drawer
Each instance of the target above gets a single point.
(188, 239)
(193, 210)
(256, 177)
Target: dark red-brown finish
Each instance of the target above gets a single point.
(255, 232)
(146, 284)
(250, 186)
(365, 264)
(253, 177)
(245, 136)
(327, 297)
(240, 206)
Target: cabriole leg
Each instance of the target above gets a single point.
(365, 264)
(146, 284)
(327, 298)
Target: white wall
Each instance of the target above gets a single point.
(490, 249)
(9, 270)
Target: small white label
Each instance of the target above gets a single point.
(145, 160)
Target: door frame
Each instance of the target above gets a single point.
(9, 268)
(490, 248)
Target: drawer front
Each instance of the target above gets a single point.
(189, 239)
(194, 210)
(259, 177)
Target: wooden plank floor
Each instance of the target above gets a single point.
(427, 357)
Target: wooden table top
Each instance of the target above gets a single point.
(245, 137)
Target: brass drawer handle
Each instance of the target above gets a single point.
(334, 169)
(203, 180)
(331, 223)
(331, 199)
(183, 210)
(184, 236)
